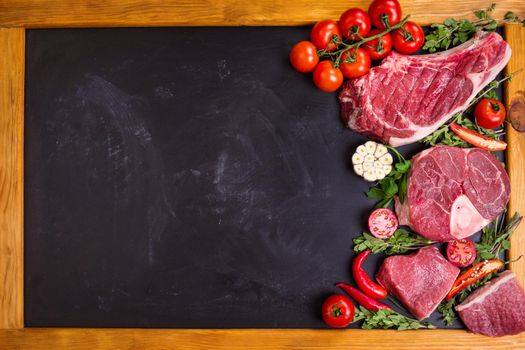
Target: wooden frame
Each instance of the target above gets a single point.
(16, 15)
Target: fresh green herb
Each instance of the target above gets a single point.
(401, 242)
(447, 307)
(443, 135)
(454, 32)
(494, 240)
(511, 17)
(393, 184)
(496, 237)
(387, 319)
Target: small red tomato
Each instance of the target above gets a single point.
(354, 21)
(303, 56)
(382, 223)
(389, 10)
(378, 48)
(338, 311)
(360, 65)
(327, 77)
(489, 113)
(322, 34)
(461, 252)
(410, 40)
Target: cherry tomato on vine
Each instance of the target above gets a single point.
(303, 56)
(378, 48)
(410, 40)
(359, 67)
(338, 311)
(327, 77)
(390, 9)
(322, 34)
(353, 20)
(489, 113)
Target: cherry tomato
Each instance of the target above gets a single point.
(359, 67)
(382, 223)
(338, 311)
(327, 77)
(380, 8)
(378, 48)
(322, 33)
(410, 40)
(354, 19)
(303, 56)
(461, 252)
(489, 113)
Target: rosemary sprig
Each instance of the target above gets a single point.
(495, 237)
(401, 241)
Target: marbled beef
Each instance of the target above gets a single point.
(453, 192)
(496, 309)
(408, 97)
(420, 281)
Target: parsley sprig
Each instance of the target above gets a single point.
(393, 184)
(387, 319)
(454, 32)
(401, 242)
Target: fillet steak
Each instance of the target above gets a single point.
(408, 97)
(420, 280)
(496, 309)
(453, 192)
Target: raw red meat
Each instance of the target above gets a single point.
(496, 309)
(420, 281)
(453, 192)
(408, 97)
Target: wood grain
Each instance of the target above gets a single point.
(119, 13)
(159, 339)
(111, 13)
(515, 101)
(11, 177)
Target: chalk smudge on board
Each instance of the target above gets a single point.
(131, 153)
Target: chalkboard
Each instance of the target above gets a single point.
(183, 177)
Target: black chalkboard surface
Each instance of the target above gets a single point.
(183, 177)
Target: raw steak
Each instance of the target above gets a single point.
(496, 309)
(453, 192)
(420, 281)
(408, 97)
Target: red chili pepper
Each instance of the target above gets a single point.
(363, 299)
(475, 273)
(362, 280)
(477, 139)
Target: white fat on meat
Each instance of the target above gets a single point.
(480, 296)
(465, 219)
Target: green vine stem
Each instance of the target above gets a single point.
(339, 53)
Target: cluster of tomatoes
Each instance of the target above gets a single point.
(345, 49)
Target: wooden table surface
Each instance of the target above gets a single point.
(17, 15)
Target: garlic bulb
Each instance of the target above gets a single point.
(372, 161)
